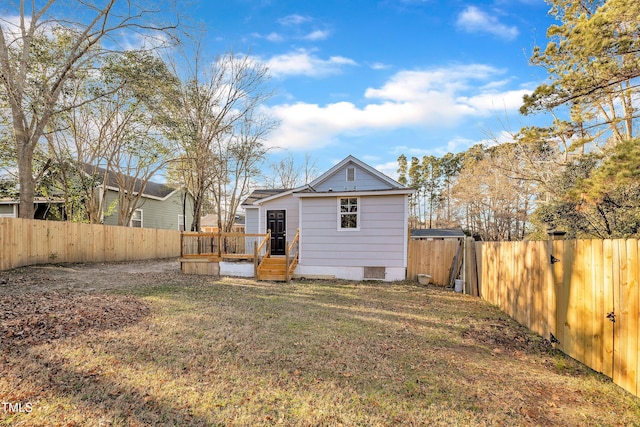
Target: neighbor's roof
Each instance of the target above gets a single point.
(152, 189)
(437, 232)
(211, 220)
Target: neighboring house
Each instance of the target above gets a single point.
(353, 223)
(160, 205)
(44, 208)
(209, 224)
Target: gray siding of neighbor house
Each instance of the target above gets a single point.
(157, 213)
(287, 203)
(380, 240)
(251, 220)
(364, 181)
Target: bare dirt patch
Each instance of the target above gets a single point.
(38, 318)
(502, 335)
(45, 302)
(86, 277)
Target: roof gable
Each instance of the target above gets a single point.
(363, 178)
(352, 174)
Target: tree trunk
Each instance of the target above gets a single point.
(27, 183)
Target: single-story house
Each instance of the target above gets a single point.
(209, 223)
(45, 208)
(352, 223)
(160, 205)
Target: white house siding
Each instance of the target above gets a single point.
(364, 181)
(287, 203)
(251, 221)
(380, 242)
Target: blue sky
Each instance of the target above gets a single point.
(378, 78)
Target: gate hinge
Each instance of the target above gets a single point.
(553, 259)
(611, 316)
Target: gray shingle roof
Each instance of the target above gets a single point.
(261, 194)
(437, 232)
(152, 189)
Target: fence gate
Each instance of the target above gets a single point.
(581, 294)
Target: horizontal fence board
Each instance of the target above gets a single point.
(571, 297)
(28, 242)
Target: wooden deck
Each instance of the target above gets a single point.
(201, 253)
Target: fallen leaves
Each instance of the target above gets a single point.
(36, 318)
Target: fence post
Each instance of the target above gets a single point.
(269, 242)
(255, 259)
(286, 264)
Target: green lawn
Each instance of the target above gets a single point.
(238, 352)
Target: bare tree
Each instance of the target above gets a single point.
(220, 130)
(41, 52)
(237, 160)
(287, 174)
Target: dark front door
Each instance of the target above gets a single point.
(276, 222)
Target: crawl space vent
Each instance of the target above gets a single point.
(374, 272)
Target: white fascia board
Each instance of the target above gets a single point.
(147, 196)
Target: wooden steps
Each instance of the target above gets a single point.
(273, 269)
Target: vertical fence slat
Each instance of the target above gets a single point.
(598, 317)
(608, 307)
(629, 316)
(618, 254)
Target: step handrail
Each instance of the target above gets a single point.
(257, 262)
(287, 255)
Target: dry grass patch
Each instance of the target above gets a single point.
(239, 352)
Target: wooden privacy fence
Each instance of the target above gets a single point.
(432, 257)
(27, 242)
(581, 294)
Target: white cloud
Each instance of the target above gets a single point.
(474, 20)
(294, 19)
(389, 168)
(317, 35)
(303, 62)
(379, 66)
(437, 98)
(274, 37)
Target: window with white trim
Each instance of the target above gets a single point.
(136, 219)
(348, 213)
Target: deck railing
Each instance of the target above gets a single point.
(219, 245)
(291, 255)
(263, 249)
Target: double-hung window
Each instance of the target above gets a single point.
(348, 214)
(136, 219)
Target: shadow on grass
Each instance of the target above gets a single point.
(63, 395)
